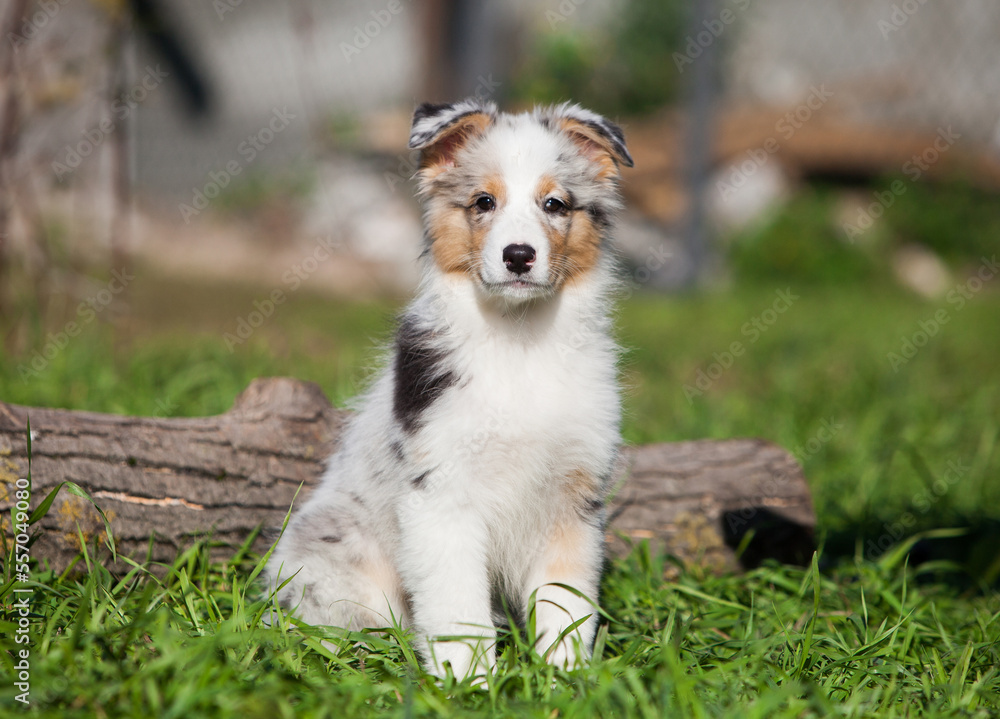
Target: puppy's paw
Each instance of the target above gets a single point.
(465, 659)
(567, 654)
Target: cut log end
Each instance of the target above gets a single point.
(182, 479)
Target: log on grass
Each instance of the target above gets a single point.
(182, 479)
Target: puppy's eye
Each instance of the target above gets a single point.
(485, 203)
(555, 206)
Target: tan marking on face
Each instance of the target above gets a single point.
(452, 243)
(548, 187)
(574, 252)
(494, 185)
(554, 228)
(459, 232)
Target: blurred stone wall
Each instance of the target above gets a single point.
(917, 63)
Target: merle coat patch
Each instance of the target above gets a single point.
(421, 374)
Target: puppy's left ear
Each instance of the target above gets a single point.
(440, 131)
(596, 137)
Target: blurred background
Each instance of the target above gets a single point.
(196, 193)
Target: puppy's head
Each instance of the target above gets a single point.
(519, 204)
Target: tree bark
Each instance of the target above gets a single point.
(184, 478)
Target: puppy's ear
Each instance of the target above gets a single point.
(597, 138)
(439, 131)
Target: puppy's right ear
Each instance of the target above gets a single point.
(440, 131)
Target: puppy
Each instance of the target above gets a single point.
(475, 472)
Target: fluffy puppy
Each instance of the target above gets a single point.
(477, 466)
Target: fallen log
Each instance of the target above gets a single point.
(181, 479)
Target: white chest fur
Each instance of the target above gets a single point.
(535, 394)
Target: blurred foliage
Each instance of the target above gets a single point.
(256, 190)
(805, 239)
(624, 67)
(803, 242)
(343, 130)
(958, 221)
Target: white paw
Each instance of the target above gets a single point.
(567, 654)
(466, 658)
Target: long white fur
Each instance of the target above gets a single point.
(500, 488)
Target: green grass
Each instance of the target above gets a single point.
(857, 635)
(864, 640)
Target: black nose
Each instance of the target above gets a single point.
(518, 258)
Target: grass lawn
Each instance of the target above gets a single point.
(893, 446)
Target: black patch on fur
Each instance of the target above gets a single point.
(608, 129)
(428, 109)
(598, 216)
(593, 505)
(419, 481)
(397, 450)
(330, 539)
(592, 511)
(428, 241)
(507, 613)
(420, 374)
(358, 499)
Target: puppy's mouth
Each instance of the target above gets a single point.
(517, 288)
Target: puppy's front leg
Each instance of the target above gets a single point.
(572, 555)
(442, 560)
